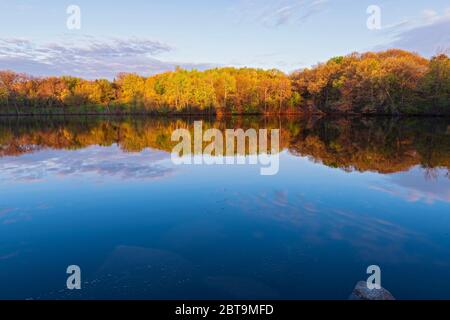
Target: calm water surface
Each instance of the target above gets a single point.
(102, 193)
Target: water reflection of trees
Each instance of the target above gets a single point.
(383, 145)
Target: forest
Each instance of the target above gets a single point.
(391, 82)
(377, 144)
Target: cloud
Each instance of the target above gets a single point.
(98, 161)
(281, 12)
(428, 36)
(321, 224)
(87, 57)
(416, 186)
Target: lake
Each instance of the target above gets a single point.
(103, 193)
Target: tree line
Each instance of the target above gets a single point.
(389, 82)
(379, 144)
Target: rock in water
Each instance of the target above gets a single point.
(361, 292)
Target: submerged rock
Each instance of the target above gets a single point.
(361, 292)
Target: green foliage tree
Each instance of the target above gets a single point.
(389, 82)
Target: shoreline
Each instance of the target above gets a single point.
(401, 83)
(227, 115)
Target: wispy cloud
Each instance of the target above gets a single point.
(413, 187)
(280, 12)
(100, 162)
(427, 35)
(86, 56)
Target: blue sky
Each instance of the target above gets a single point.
(153, 36)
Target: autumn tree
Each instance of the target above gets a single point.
(388, 82)
(8, 80)
(435, 85)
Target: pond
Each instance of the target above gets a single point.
(103, 193)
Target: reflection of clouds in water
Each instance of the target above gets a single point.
(417, 185)
(9, 255)
(6, 211)
(102, 161)
(16, 215)
(319, 224)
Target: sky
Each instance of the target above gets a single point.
(149, 37)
